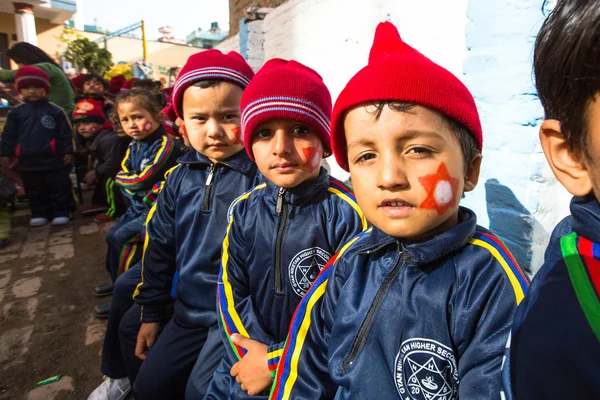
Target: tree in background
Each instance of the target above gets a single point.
(85, 54)
(119, 69)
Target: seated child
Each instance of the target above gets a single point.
(106, 148)
(38, 133)
(555, 340)
(95, 87)
(185, 233)
(419, 306)
(283, 232)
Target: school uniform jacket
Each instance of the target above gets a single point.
(39, 134)
(184, 235)
(145, 163)
(107, 150)
(555, 339)
(277, 242)
(393, 319)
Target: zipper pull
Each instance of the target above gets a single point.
(280, 200)
(210, 175)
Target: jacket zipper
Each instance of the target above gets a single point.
(282, 211)
(363, 333)
(209, 183)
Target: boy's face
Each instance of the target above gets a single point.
(88, 129)
(212, 120)
(137, 122)
(407, 170)
(32, 93)
(93, 87)
(287, 152)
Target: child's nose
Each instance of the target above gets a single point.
(391, 173)
(213, 129)
(280, 143)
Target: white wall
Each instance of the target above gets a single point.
(230, 44)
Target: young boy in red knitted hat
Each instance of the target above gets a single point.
(555, 339)
(419, 306)
(107, 150)
(39, 134)
(184, 233)
(283, 232)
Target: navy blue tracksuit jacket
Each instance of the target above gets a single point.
(555, 348)
(277, 242)
(393, 319)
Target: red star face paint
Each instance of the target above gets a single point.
(147, 126)
(239, 139)
(441, 190)
(183, 130)
(312, 158)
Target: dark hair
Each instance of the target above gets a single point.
(98, 77)
(149, 100)
(468, 144)
(566, 64)
(146, 84)
(28, 54)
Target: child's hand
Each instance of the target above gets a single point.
(252, 371)
(146, 338)
(90, 177)
(67, 158)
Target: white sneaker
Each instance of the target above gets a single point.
(39, 221)
(111, 389)
(58, 221)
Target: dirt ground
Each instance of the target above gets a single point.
(47, 328)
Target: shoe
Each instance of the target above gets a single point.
(101, 311)
(103, 218)
(104, 290)
(93, 209)
(111, 389)
(38, 221)
(59, 221)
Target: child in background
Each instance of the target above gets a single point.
(38, 133)
(555, 341)
(150, 154)
(185, 233)
(95, 87)
(419, 306)
(8, 189)
(106, 148)
(283, 232)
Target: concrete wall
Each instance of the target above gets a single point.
(486, 44)
(232, 43)
(237, 11)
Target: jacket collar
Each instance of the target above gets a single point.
(239, 161)
(586, 217)
(38, 102)
(154, 136)
(303, 191)
(429, 250)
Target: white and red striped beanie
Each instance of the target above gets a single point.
(210, 65)
(32, 76)
(286, 90)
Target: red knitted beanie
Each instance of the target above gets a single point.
(89, 111)
(286, 90)
(398, 72)
(32, 76)
(116, 83)
(210, 65)
(170, 118)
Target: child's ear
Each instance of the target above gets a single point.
(570, 171)
(472, 175)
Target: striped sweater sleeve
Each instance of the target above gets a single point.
(305, 351)
(161, 152)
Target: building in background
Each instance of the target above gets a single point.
(33, 21)
(237, 10)
(207, 39)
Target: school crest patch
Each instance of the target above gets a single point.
(305, 267)
(48, 122)
(426, 370)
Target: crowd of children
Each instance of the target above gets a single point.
(240, 268)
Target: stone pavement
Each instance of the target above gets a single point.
(47, 277)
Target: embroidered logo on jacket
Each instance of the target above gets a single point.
(48, 122)
(305, 267)
(426, 370)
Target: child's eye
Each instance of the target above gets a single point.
(300, 130)
(229, 117)
(199, 118)
(420, 150)
(264, 134)
(364, 157)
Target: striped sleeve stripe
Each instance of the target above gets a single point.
(288, 373)
(342, 191)
(124, 161)
(161, 157)
(517, 278)
(232, 322)
(589, 252)
(145, 248)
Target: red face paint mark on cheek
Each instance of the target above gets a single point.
(441, 190)
(239, 139)
(312, 158)
(147, 127)
(183, 130)
(93, 129)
